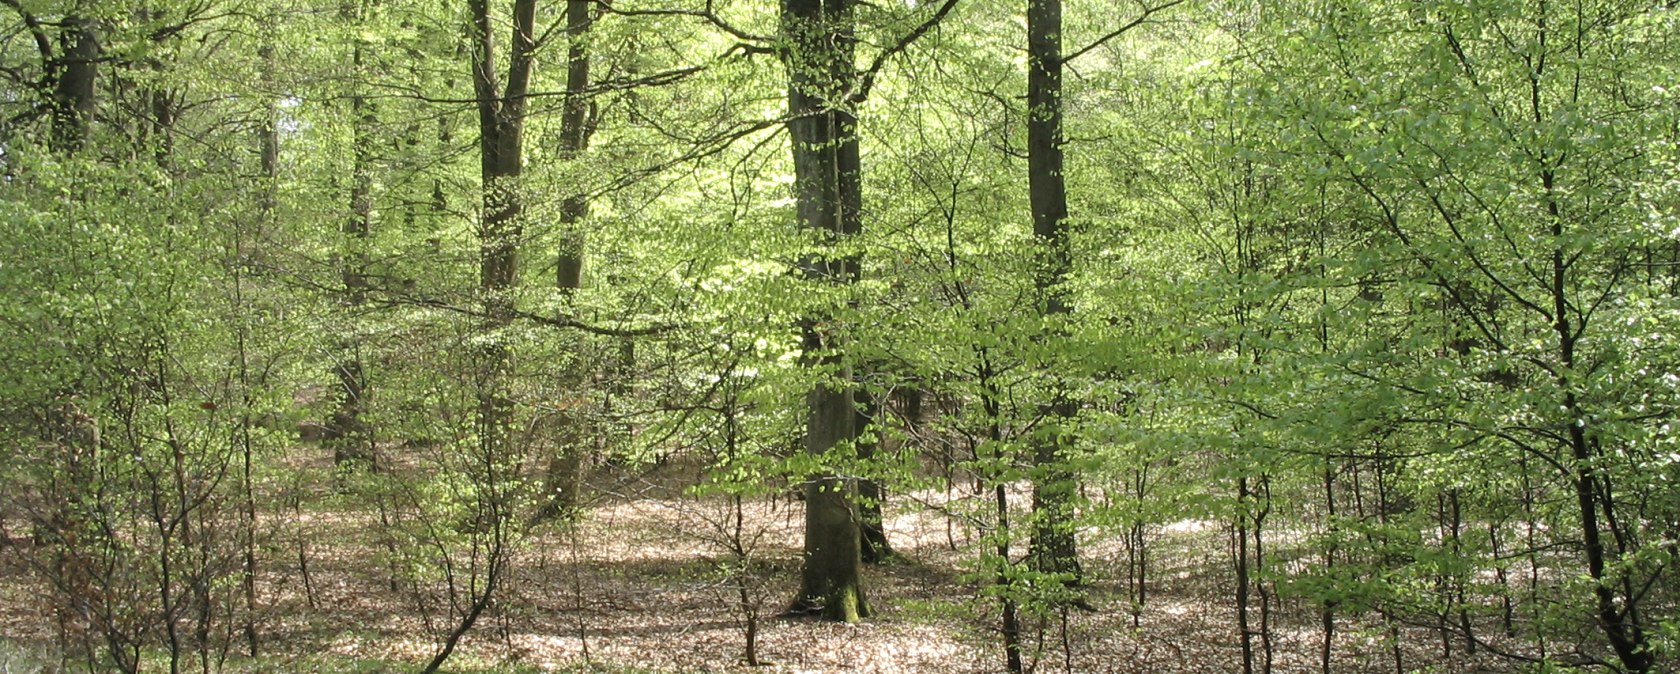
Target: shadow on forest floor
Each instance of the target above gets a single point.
(639, 584)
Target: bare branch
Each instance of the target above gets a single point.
(706, 15)
(603, 86)
(1147, 12)
(30, 21)
(868, 80)
(555, 321)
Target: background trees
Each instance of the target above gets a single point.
(1376, 297)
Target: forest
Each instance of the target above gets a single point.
(635, 336)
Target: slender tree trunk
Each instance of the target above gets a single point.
(345, 432)
(1263, 509)
(569, 461)
(1532, 545)
(1327, 611)
(1000, 503)
(1244, 633)
(1011, 613)
(997, 475)
(269, 153)
(1385, 505)
(1455, 520)
(1502, 576)
(1616, 613)
(1140, 533)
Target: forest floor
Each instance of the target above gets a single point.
(638, 586)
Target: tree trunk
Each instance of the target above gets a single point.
(1245, 635)
(819, 61)
(875, 546)
(1616, 613)
(269, 158)
(831, 584)
(1054, 544)
(1327, 610)
(344, 430)
(73, 73)
(501, 120)
(569, 461)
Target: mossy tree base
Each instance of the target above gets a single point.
(831, 578)
(846, 605)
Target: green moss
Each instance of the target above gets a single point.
(847, 605)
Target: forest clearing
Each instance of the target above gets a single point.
(1249, 336)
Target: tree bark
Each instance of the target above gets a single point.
(569, 461)
(1245, 635)
(871, 522)
(826, 169)
(345, 430)
(1054, 544)
(501, 119)
(73, 73)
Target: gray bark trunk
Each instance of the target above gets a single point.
(826, 168)
(1054, 546)
(73, 73)
(564, 482)
(345, 430)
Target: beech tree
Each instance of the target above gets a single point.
(1336, 334)
(826, 184)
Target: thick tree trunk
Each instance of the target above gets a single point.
(1054, 545)
(819, 61)
(831, 578)
(73, 73)
(501, 118)
(831, 575)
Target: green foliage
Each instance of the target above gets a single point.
(1388, 289)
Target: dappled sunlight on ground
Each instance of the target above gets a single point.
(641, 580)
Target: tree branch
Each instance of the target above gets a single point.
(30, 21)
(868, 79)
(706, 14)
(1147, 12)
(555, 321)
